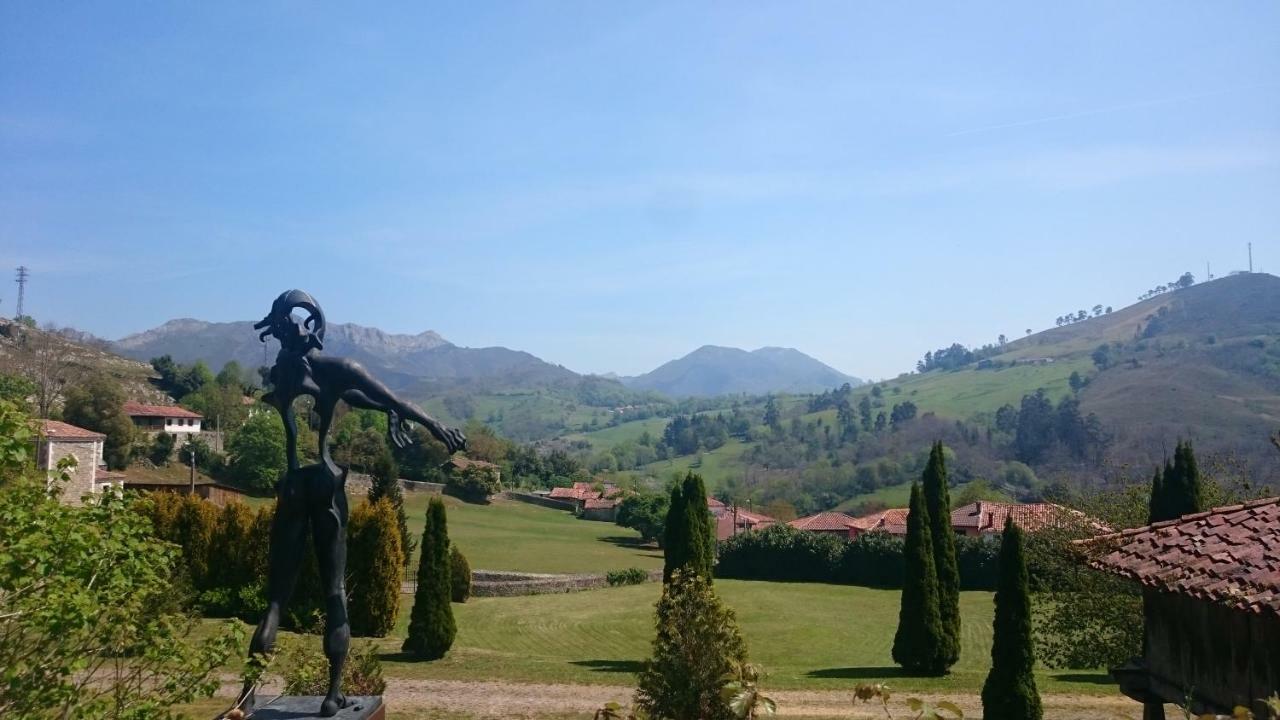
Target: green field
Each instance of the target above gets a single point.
(714, 466)
(511, 535)
(626, 432)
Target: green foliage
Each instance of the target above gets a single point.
(943, 538)
(646, 513)
(920, 645)
(459, 575)
(161, 448)
(630, 576)
(206, 458)
(742, 693)
(257, 452)
(17, 441)
(1010, 690)
(697, 648)
(375, 567)
(181, 380)
(385, 484)
(1177, 490)
(98, 404)
(90, 626)
(474, 483)
(431, 625)
(17, 390)
(305, 669)
(197, 521)
(221, 405)
(689, 530)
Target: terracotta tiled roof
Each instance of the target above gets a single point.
(574, 493)
(825, 521)
(598, 504)
(66, 432)
(133, 409)
(714, 503)
(988, 517)
(892, 521)
(1228, 555)
(745, 521)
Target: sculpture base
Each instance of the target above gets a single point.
(304, 707)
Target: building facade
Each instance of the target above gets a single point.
(153, 419)
(58, 440)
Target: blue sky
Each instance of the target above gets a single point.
(611, 185)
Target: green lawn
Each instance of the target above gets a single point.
(808, 636)
(625, 432)
(511, 535)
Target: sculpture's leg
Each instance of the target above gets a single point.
(329, 527)
(288, 535)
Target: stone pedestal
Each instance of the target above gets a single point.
(306, 707)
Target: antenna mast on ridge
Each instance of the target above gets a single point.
(22, 276)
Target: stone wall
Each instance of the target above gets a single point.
(86, 454)
(360, 483)
(554, 503)
(489, 583)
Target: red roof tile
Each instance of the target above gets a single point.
(825, 521)
(893, 521)
(133, 409)
(58, 430)
(598, 504)
(988, 517)
(1228, 555)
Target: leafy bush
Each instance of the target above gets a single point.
(474, 483)
(161, 449)
(306, 669)
(630, 576)
(375, 566)
(460, 574)
(646, 513)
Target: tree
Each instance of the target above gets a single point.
(257, 452)
(1185, 281)
(82, 588)
(1035, 430)
(98, 404)
(688, 533)
(460, 575)
(1009, 692)
(864, 413)
(376, 566)
(902, 412)
(645, 513)
(1076, 382)
(697, 648)
(385, 485)
(161, 448)
(1102, 356)
(41, 358)
(771, 415)
(919, 644)
(1177, 490)
(232, 375)
(431, 625)
(943, 540)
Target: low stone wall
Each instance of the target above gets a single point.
(532, 499)
(360, 482)
(489, 583)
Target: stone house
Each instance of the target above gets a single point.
(57, 440)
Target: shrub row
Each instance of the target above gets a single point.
(781, 552)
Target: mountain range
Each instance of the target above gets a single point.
(427, 364)
(712, 370)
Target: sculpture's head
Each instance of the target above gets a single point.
(281, 325)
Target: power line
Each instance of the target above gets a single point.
(23, 274)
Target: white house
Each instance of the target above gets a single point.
(152, 419)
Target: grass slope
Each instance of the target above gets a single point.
(842, 636)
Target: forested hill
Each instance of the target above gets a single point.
(711, 370)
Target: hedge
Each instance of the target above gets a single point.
(781, 552)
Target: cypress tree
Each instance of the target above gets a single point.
(386, 484)
(376, 565)
(675, 545)
(1156, 505)
(938, 500)
(1186, 496)
(702, 537)
(431, 626)
(920, 641)
(1010, 690)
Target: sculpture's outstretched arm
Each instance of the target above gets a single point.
(366, 389)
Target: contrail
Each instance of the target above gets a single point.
(1113, 108)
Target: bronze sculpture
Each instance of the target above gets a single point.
(314, 495)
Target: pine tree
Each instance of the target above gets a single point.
(696, 647)
(386, 484)
(376, 565)
(688, 539)
(431, 626)
(1179, 489)
(1010, 690)
(675, 531)
(920, 641)
(938, 500)
(1156, 505)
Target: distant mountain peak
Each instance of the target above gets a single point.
(717, 370)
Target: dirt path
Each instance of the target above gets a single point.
(520, 700)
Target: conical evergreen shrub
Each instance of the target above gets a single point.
(375, 565)
(938, 500)
(1010, 690)
(1156, 505)
(460, 573)
(431, 625)
(919, 644)
(702, 532)
(697, 646)
(386, 484)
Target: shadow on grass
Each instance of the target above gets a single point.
(1092, 678)
(626, 542)
(611, 666)
(861, 673)
(396, 656)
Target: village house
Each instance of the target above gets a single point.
(981, 518)
(1211, 589)
(592, 501)
(155, 419)
(839, 524)
(58, 440)
(734, 520)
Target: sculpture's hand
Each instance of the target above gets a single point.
(452, 438)
(398, 431)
